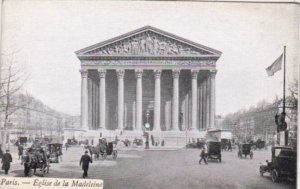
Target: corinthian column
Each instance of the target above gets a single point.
(175, 100)
(102, 91)
(207, 102)
(120, 74)
(212, 98)
(84, 99)
(157, 97)
(194, 99)
(200, 106)
(139, 100)
(204, 104)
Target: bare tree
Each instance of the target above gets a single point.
(13, 79)
(293, 88)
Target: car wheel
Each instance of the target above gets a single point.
(261, 173)
(274, 175)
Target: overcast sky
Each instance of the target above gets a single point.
(250, 36)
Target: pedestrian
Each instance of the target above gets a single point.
(203, 156)
(85, 161)
(229, 146)
(67, 145)
(6, 160)
(1, 152)
(20, 149)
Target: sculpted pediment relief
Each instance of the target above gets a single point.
(147, 43)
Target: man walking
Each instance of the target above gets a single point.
(85, 161)
(203, 156)
(6, 160)
(20, 149)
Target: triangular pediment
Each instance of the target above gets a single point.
(148, 41)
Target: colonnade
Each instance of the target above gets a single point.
(200, 102)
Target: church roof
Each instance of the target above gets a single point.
(148, 41)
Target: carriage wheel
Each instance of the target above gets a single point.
(104, 155)
(251, 154)
(274, 175)
(115, 154)
(261, 173)
(48, 167)
(43, 170)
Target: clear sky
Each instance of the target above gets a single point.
(250, 36)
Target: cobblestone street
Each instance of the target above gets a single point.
(136, 168)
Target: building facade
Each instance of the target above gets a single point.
(148, 76)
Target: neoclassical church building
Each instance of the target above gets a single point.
(148, 77)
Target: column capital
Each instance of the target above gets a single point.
(138, 73)
(212, 73)
(157, 73)
(102, 73)
(84, 73)
(194, 74)
(176, 73)
(120, 73)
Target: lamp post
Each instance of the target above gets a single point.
(147, 129)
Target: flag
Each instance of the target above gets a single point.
(276, 66)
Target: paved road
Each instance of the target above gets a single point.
(168, 169)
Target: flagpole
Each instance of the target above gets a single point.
(286, 133)
(284, 49)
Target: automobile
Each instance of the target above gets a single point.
(245, 149)
(214, 150)
(283, 164)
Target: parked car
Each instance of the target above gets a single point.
(283, 164)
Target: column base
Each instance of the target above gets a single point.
(192, 130)
(101, 129)
(174, 129)
(156, 130)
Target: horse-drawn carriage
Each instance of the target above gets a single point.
(35, 159)
(104, 149)
(259, 144)
(54, 152)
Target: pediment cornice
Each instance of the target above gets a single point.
(147, 43)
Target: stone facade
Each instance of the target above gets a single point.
(148, 76)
